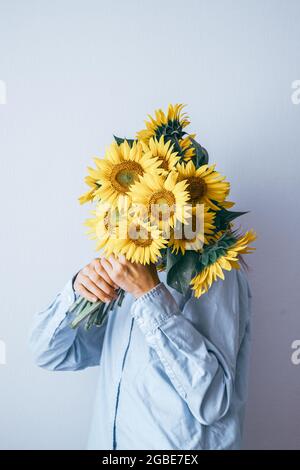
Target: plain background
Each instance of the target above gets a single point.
(78, 71)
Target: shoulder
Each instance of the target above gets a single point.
(230, 295)
(235, 284)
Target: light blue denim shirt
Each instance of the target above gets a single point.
(172, 369)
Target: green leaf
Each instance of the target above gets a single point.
(172, 259)
(211, 253)
(213, 256)
(120, 140)
(224, 217)
(181, 269)
(201, 154)
(204, 258)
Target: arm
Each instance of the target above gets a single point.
(198, 346)
(54, 344)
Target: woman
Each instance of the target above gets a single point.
(173, 368)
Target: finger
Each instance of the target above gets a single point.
(114, 262)
(102, 273)
(86, 270)
(101, 283)
(107, 266)
(122, 259)
(91, 287)
(85, 293)
(107, 261)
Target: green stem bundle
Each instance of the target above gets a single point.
(94, 313)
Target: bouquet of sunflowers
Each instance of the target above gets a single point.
(157, 200)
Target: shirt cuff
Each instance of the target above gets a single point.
(154, 308)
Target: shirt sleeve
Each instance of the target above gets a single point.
(197, 346)
(55, 345)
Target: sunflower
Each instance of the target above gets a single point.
(120, 168)
(205, 185)
(142, 244)
(187, 149)
(228, 204)
(164, 198)
(102, 225)
(227, 260)
(215, 236)
(107, 222)
(91, 181)
(164, 151)
(171, 123)
(202, 221)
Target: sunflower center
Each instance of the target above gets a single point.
(162, 204)
(164, 163)
(140, 235)
(163, 197)
(124, 174)
(196, 188)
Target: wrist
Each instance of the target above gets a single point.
(142, 290)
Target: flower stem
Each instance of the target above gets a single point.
(95, 312)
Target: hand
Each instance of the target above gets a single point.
(134, 278)
(93, 283)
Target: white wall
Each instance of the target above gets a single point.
(77, 71)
